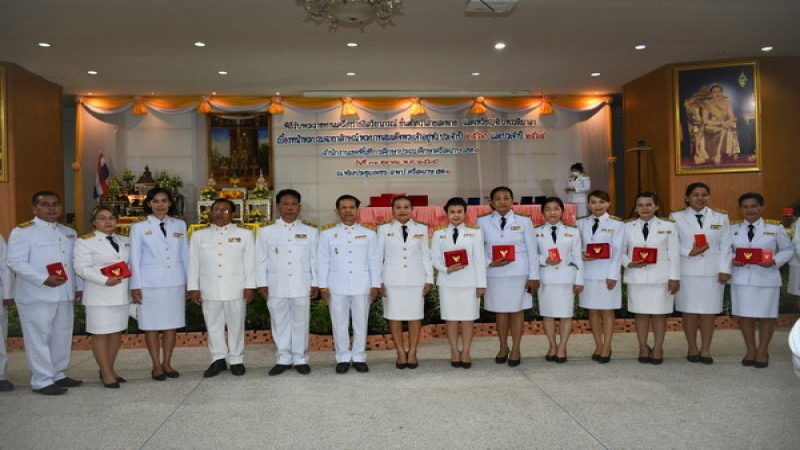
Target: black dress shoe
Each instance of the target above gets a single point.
(561, 360)
(172, 374)
(655, 361)
(466, 364)
(278, 369)
(647, 359)
(550, 358)
(6, 386)
(342, 367)
(238, 369)
(706, 360)
(302, 369)
(214, 369)
(68, 382)
(362, 367)
(114, 385)
(514, 362)
(501, 359)
(748, 362)
(595, 356)
(53, 389)
(604, 359)
(123, 380)
(760, 364)
(456, 363)
(159, 377)
(693, 358)
(401, 366)
(410, 365)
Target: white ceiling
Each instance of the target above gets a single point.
(267, 46)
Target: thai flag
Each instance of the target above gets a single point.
(101, 179)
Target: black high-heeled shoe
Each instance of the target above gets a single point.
(114, 385)
(456, 363)
(647, 359)
(501, 359)
(604, 359)
(656, 361)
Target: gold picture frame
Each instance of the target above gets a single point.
(3, 128)
(717, 118)
(240, 148)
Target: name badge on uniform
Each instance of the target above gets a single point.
(468, 235)
(234, 239)
(148, 232)
(442, 236)
(361, 236)
(71, 236)
(301, 236)
(608, 230)
(336, 250)
(539, 235)
(516, 228)
(568, 235)
(664, 231)
(177, 235)
(770, 233)
(716, 227)
(390, 234)
(418, 236)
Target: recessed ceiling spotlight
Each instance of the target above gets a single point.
(351, 74)
(88, 93)
(768, 48)
(640, 47)
(214, 93)
(92, 72)
(595, 74)
(199, 44)
(476, 74)
(223, 72)
(352, 44)
(43, 44)
(500, 45)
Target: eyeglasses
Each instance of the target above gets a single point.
(104, 218)
(221, 210)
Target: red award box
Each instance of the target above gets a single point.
(554, 255)
(57, 270)
(648, 255)
(766, 256)
(748, 255)
(504, 252)
(599, 251)
(700, 240)
(454, 257)
(118, 270)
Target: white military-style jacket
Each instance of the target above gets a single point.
(609, 231)
(769, 235)
(663, 235)
(568, 243)
(286, 258)
(222, 262)
(404, 263)
(582, 185)
(518, 232)
(33, 246)
(470, 238)
(716, 228)
(157, 260)
(795, 262)
(348, 259)
(92, 252)
(6, 276)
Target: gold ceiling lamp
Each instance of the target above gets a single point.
(351, 13)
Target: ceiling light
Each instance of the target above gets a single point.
(500, 45)
(222, 72)
(352, 13)
(476, 74)
(44, 44)
(92, 72)
(640, 47)
(768, 48)
(351, 74)
(214, 93)
(352, 44)
(199, 44)
(595, 74)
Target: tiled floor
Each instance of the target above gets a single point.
(537, 405)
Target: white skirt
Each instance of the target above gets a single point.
(403, 303)
(556, 300)
(458, 303)
(595, 295)
(793, 286)
(106, 319)
(507, 294)
(649, 299)
(760, 302)
(699, 295)
(163, 308)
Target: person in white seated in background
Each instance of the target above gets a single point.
(5, 289)
(578, 187)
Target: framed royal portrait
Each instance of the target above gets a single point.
(3, 129)
(240, 148)
(717, 118)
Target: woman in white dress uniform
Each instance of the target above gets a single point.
(106, 298)
(602, 291)
(561, 277)
(755, 288)
(704, 270)
(651, 287)
(578, 186)
(509, 283)
(794, 263)
(461, 286)
(159, 263)
(407, 276)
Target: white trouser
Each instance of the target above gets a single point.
(289, 318)
(217, 315)
(342, 306)
(47, 329)
(3, 336)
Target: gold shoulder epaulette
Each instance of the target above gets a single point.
(310, 224)
(615, 218)
(631, 219)
(267, 223)
(486, 214)
(519, 213)
(667, 219)
(440, 227)
(26, 224)
(421, 222)
(385, 222)
(327, 227)
(582, 217)
(721, 211)
(736, 222)
(772, 222)
(371, 227)
(71, 225)
(677, 210)
(571, 225)
(474, 227)
(87, 235)
(201, 226)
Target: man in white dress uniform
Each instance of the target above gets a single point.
(286, 275)
(7, 300)
(349, 275)
(222, 279)
(45, 301)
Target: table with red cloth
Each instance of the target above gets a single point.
(434, 216)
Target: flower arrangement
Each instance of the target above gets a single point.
(163, 179)
(260, 192)
(205, 216)
(209, 193)
(128, 177)
(114, 188)
(255, 216)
